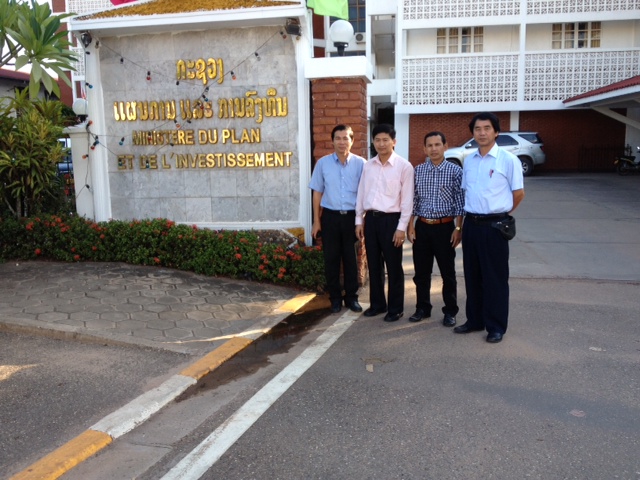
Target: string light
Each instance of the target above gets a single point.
(146, 165)
(178, 126)
(258, 56)
(122, 141)
(87, 84)
(85, 156)
(121, 60)
(96, 143)
(283, 34)
(233, 75)
(148, 74)
(178, 82)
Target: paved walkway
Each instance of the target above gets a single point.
(120, 303)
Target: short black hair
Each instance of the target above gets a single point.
(435, 133)
(384, 128)
(341, 127)
(495, 121)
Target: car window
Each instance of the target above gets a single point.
(531, 137)
(506, 140)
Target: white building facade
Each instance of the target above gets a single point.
(513, 56)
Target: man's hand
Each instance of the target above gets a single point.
(360, 232)
(316, 228)
(398, 238)
(411, 233)
(456, 237)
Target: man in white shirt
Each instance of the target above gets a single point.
(494, 187)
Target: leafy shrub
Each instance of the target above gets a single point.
(161, 242)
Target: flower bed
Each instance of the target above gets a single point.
(236, 254)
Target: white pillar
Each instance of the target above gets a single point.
(79, 148)
(402, 135)
(98, 157)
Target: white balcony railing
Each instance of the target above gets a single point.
(484, 78)
(447, 9)
(558, 76)
(81, 7)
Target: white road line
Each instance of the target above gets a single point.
(199, 460)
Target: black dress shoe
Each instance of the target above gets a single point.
(336, 306)
(372, 312)
(448, 320)
(419, 315)
(494, 337)
(353, 305)
(464, 328)
(392, 317)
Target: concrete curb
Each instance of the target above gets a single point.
(139, 410)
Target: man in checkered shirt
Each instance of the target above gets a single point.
(435, 227)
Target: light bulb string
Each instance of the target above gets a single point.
(254, 54)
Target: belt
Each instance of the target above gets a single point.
(378, 213)
(339, 212)
(479, 218)
(434, 221)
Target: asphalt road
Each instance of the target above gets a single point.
(53, 389)
(558, 398)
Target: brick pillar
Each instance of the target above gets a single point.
(340, 101)
(334, 101)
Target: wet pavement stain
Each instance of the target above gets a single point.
(257, 355)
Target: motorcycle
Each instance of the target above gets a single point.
(626, 164)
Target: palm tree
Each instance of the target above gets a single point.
(30, 35)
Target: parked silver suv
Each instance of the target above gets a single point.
(527, 146)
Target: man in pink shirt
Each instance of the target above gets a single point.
(383, 208)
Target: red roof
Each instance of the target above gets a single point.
(13, 75)
(629, 82)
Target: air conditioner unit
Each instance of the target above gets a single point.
(360, 37)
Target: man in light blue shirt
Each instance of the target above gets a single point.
(493, 183)
(334, 183)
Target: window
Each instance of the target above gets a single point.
(460, 40)
(506, 140)
(575, 35)
(357, 15)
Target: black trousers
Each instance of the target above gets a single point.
(378, 240)
(434, 241)
(485, 255)
(339, 247)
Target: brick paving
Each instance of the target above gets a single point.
(120, 303)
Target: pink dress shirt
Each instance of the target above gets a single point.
(386, 188)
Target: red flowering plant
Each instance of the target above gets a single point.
(161, 242)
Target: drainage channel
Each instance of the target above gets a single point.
(256, 356)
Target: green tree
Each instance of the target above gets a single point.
(29, 154)
(30, 35)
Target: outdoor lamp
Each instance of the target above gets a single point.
(341, 33)
(79, 107)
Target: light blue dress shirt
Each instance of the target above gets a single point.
(489, 181)
(338, 183)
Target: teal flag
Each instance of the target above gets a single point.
(330, 8)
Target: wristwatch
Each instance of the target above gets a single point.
(459, 228)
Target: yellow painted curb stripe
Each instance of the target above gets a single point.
(296, 303)
(63, 459)
(217, 357)
(235, 345)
